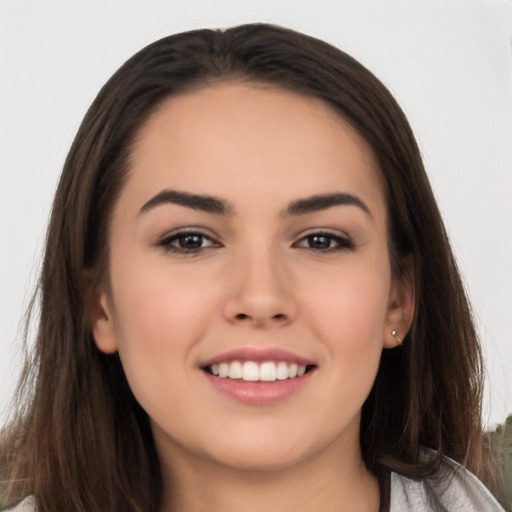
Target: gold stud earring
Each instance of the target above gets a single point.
(397, 338)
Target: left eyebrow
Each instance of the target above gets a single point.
(204, 203)
(323, 202)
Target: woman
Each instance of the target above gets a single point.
(248, 299)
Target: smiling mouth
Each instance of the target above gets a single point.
(252, 371)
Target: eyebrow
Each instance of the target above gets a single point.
(323, 202)
(215, 205)
(207, 204)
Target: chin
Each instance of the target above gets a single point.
(256, 460)
(263, 451)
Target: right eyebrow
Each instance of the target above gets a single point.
(204, 203)
(323, 202)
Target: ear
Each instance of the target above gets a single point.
(99, 316)
(401, 305)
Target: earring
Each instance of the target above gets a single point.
(397, 338)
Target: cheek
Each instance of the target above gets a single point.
(151, 295)
(159, 317)
(352, 305)
(348, 312)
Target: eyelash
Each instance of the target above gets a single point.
(166, 243)
(342, 243)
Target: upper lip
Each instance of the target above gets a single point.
(258, 355)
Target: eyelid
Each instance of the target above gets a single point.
(345, 241)
(164, 241)
(323, 231)
(185, 230)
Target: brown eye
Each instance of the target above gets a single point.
(325, 242)
(190, 241)
(320, 242)
(187, 242)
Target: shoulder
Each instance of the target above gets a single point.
(456, 489)
(27, 505)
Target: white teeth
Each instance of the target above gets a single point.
(282, 371)
(235, 370)
(253, 371)
(223, 370)
(268, 372)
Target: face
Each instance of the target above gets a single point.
(250, 292)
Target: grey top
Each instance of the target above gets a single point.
(458, 490)
(461, 491)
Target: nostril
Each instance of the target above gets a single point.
(243, 316)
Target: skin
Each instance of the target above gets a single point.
(255, 282)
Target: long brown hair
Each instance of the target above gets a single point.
(80, 441)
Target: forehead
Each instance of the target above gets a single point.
(240, 138)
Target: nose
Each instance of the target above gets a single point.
(259, 291)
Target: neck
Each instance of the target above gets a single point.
(334, 481)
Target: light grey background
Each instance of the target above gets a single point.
(449, 63)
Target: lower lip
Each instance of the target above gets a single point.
(259, 393)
